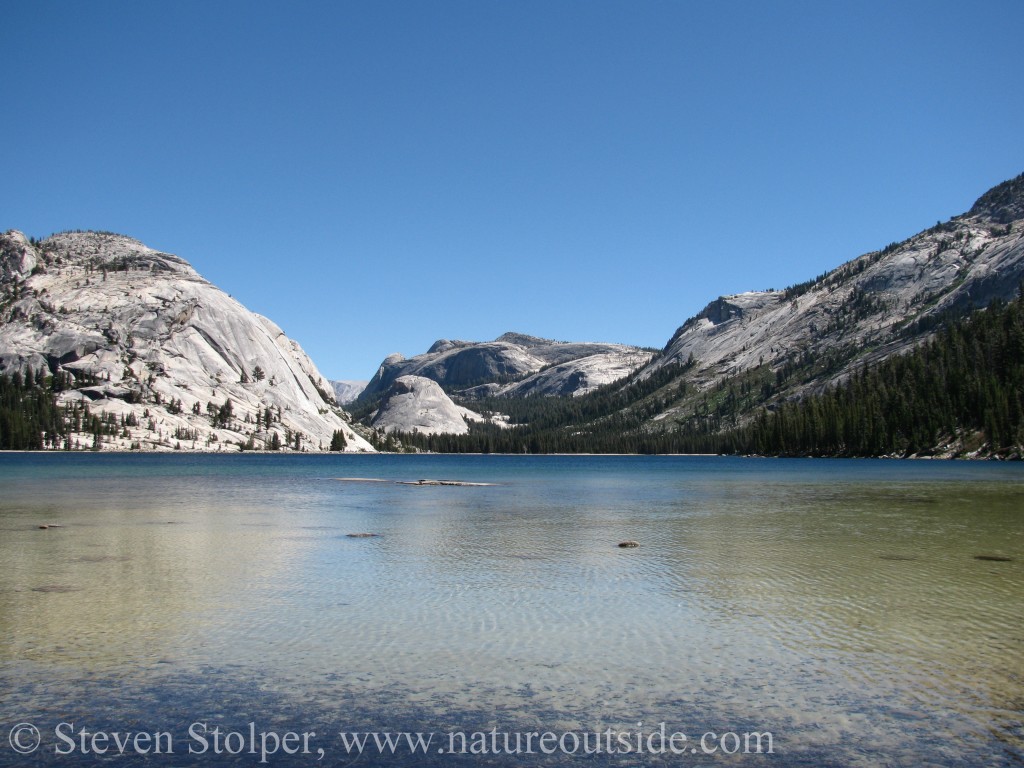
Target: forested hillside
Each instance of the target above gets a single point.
(960, 394)
(31, 420)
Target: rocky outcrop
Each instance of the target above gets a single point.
(17, 257)
(148, 341)
(514, 364)
(417, 404)
(577, 376)
(1003, 204)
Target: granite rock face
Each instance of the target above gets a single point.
(142, 334)
(877, 305)
(346, 392)
(415, 403)
(514, 364)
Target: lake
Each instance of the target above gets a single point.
(193, 609)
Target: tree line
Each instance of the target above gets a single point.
(962, 391)
(31, 419)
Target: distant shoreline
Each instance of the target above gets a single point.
(294, 454)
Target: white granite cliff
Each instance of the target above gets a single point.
(146, 339)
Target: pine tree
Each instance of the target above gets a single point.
(338, 441)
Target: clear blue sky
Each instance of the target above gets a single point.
(377, 175)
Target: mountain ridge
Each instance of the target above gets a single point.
(756, 351)
(514, 364)
(866, 303)
(140, 332)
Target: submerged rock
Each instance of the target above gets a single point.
(411, 482)
(444, 482)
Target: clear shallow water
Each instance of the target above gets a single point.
(837, 604)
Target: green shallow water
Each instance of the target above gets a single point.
(840, 605)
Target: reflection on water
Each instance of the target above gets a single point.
(840, 605)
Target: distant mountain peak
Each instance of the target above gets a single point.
(346, 391)
(443, 345)
(514, 363)
(523, 339)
